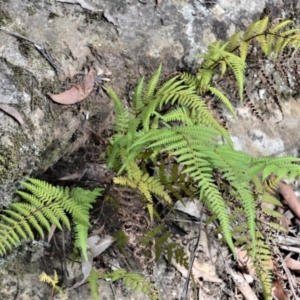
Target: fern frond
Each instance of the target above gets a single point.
(237, 66)
(174, 84)
(175, 250)
(148, 96)
(138, 97)
(244, 47)
(263, 266)
(222, 98)
(93, 283)
(256, 28)
(172, 136)
(216, 55)
(261, 35)
(122, 116)
(52, 281)
(267, 198)
(180, 114)
(233, 42)
(204, 77)
(272, 212)
(284, 23)
(135, 281)
(146, 185)
(46, 205)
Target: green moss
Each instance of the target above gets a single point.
(5, 18)
(31, 10)
(8, 163)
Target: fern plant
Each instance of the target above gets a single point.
(52, 281)
(268, 38)
(132, 280)
(174, 121)
(46, 205)
(193, 143)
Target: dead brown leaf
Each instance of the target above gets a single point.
(290, 198)
(293, 264)
(96, 245)
(78, 92)
(12, 112)
(279, 292)
(244, 261)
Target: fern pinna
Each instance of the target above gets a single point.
(174, 121)
(46, 205)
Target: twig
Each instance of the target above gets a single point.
(289, 277)
(45, 53)
(239, 280)
(17, 297)
(289, 248)
(192, 258)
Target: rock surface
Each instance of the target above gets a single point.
(128, 39)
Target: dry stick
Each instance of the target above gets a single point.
(289, 248)
(17, 297)
(192, 258)
(45, 53)
(289, 277)
(239, 280)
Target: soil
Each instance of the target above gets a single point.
(126, 40)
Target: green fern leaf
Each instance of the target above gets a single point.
(277, 27)
(272, 212)
(121, 119)
(256, 28)
(233, 42)
(46, 205)
(244, 46)
(93, 283)
(261, 35)
(148, 96)
(222, 98)
(134, 281)
(138, 97)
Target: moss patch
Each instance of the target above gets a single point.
(8, 163)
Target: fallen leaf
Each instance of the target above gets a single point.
(279, 292)
(243, 285)
(192, 208)
(52, 230)
(82, 3)
(96, 245)
(244, 261)
(12, 112)
(197, 272)
(293, 264)
(290, 198)
(76, 93)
